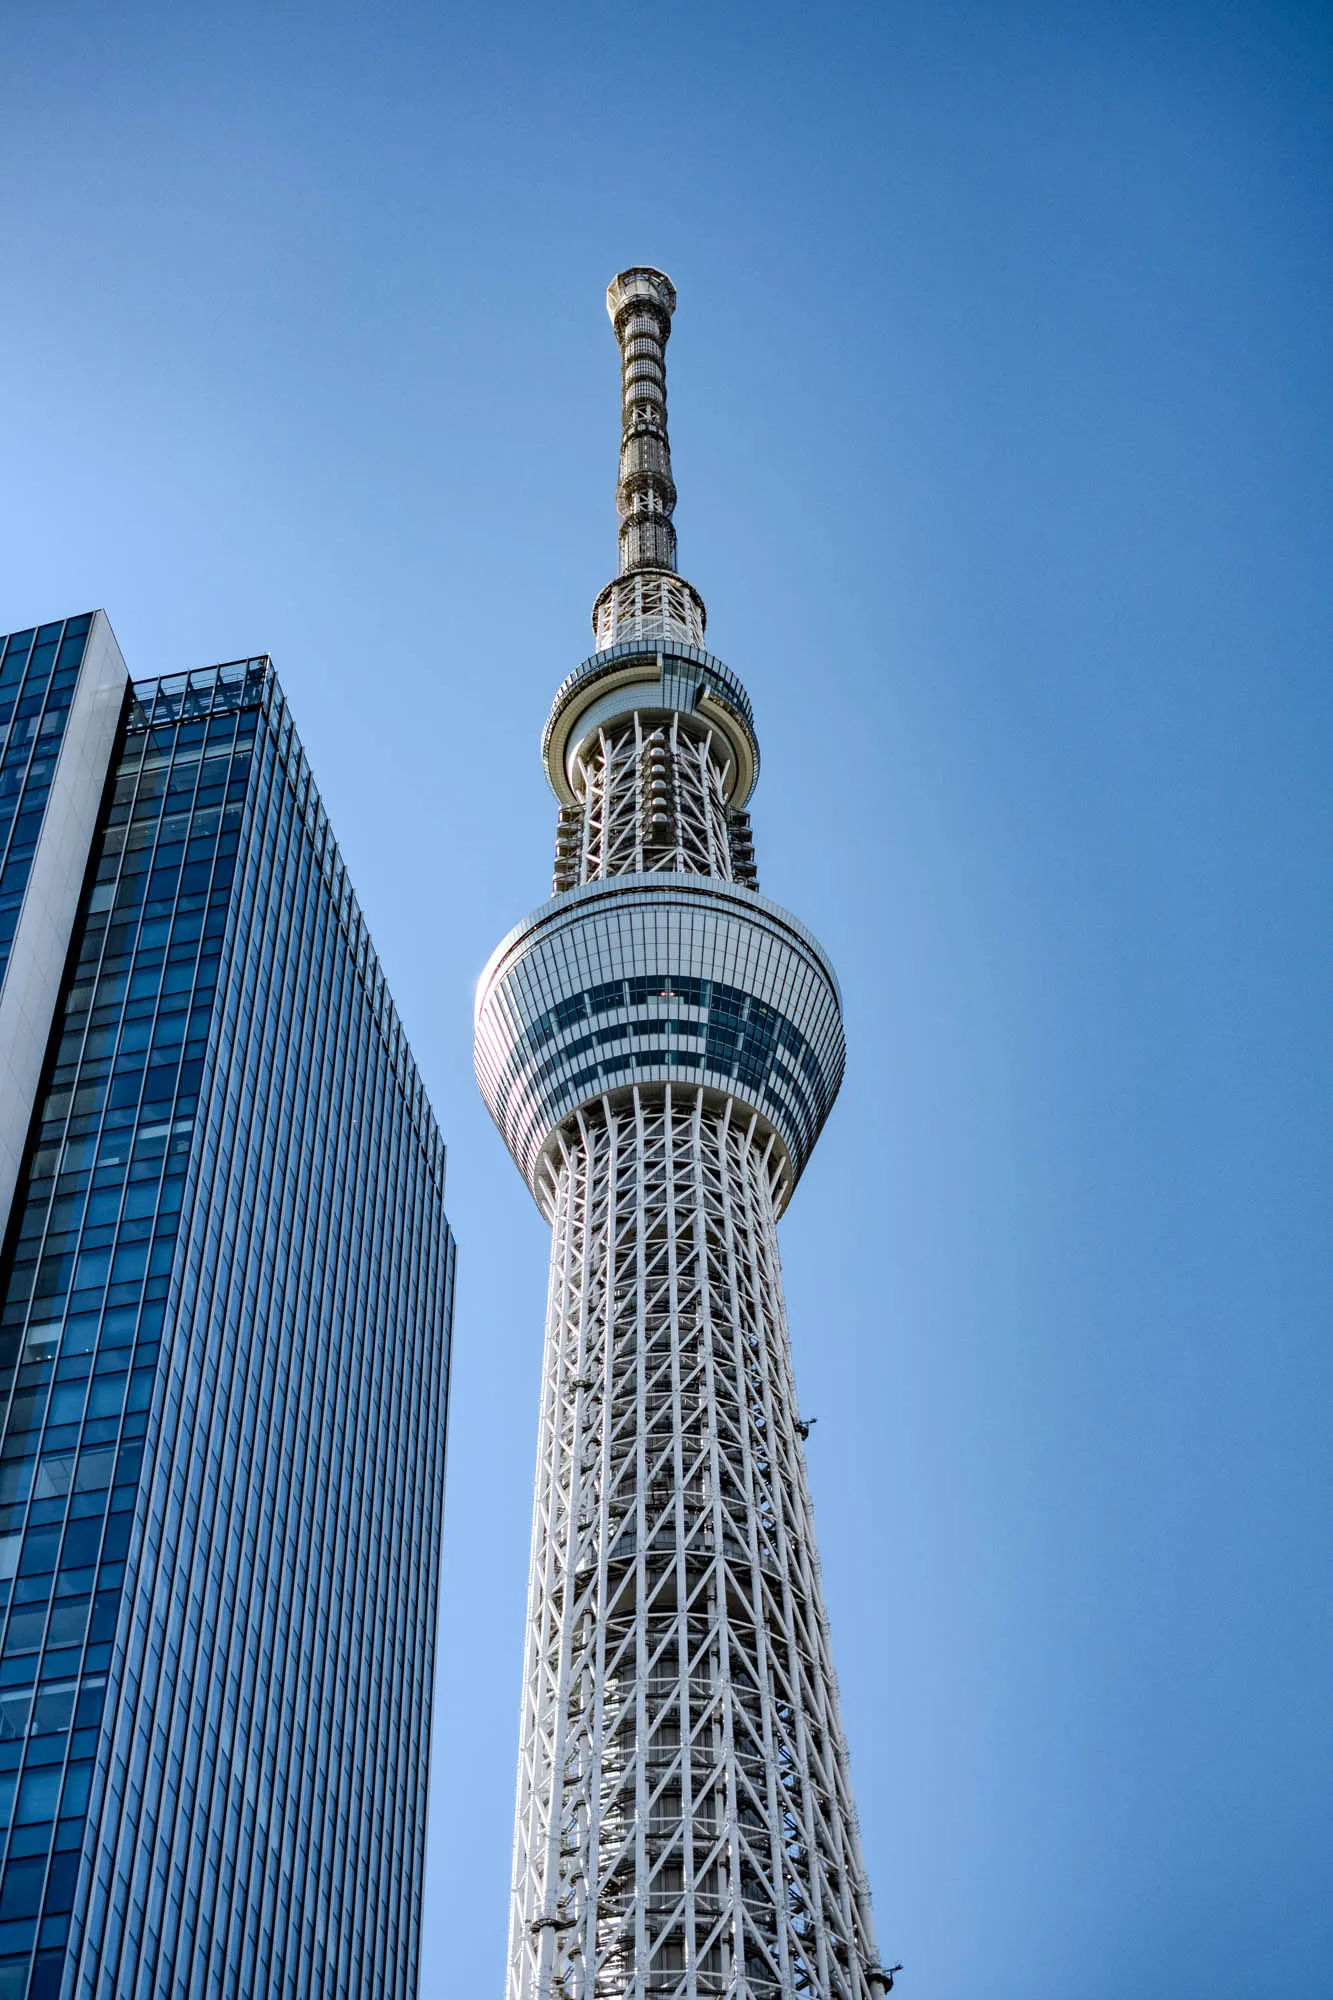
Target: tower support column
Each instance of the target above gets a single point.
(684, 1821)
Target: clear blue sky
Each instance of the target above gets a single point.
(1001, 409)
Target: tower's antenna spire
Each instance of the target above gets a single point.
(647, 600)
(641, 303)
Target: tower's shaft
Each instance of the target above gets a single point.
(685, 1825)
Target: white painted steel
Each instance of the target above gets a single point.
(660, 1046)
(685, 1823)
(649, 604)
(654, 796)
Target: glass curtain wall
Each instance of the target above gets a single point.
(224, 1339)
(38, 669)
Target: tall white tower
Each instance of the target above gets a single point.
(660, 1046)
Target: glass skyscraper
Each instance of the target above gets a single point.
(226, 1289)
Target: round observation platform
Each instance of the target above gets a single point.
(651, 980)
(650, 677)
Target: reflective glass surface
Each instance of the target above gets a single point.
(38, 669)
(224, 1355)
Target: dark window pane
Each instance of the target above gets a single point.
(38, 1796)
(21, 1889)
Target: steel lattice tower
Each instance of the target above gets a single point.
(660, 1046)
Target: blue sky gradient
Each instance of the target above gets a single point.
(1001, 417)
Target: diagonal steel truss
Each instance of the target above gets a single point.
(685, 1823)
(653, 796)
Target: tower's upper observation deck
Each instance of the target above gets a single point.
(639, 676)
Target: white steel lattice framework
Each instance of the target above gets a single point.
(660, 1045)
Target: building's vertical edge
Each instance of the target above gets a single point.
(31, 983)
(439, 1375)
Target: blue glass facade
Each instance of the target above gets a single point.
(38, 669)
(224, 1346)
